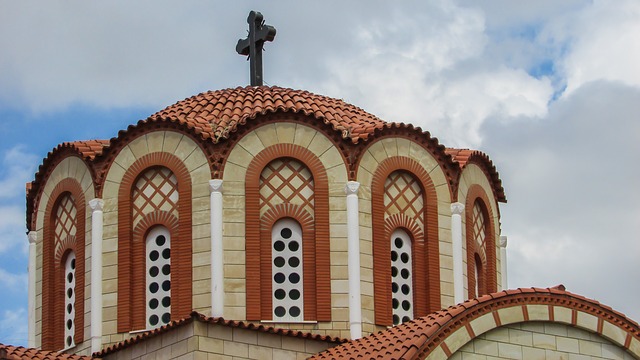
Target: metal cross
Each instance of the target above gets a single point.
(252, 45)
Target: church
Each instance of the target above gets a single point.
(263, 222)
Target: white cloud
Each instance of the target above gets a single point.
(18, 167)
(13, 327)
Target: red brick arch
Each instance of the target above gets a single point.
(131, 254)
(53, 270)
(488, 276)
(425, 247)
(315, 230)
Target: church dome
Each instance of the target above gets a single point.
(216, 114)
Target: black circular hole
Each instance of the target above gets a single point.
(280, 294)
(406, 305)
(395, 303)
(69, 293)
(73, 263)
(394, 271)
(279, 311)
(153, 320)
(166, 285)
(279, 261)
(285, 233)
(396, 320)
(166, 301)
(160, 240)
(166, 317)
(278, 245)
(279, 278)
(405, 318)
(404, 257)
(153, 271)
(166, 254)
(405, 289)
(294, 311)
(69, 340)
(166, 269)
(294, 261)
(294, 294)
(394, 287)
(69, 324)
(294, 278)
(154, 255)
(153, 287)
(70, 277)
(294, 245)
(69, 308)
(394, 256)
(399, 243)
(404, 273)
(153, 304)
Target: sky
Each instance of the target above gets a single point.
(550, 90)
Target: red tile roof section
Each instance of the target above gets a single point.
(87, 149)
(215, 114)
(416, 338)
(218, 321)
(19, 352)
(465, 156)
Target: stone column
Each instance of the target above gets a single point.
(353, 240)
(96, 206)
(217, 266)
(503, 262)
(32, 289)
(457, 209)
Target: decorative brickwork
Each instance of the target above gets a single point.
(153, 174)
(286, 180)
(481, 243)
(403, 196)
(64, 232)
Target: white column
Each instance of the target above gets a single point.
(217, 266)
(96, 206)
(32, 289)
(457, 209)
(353, 240)
(503, 262)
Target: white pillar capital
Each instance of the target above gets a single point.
(215, 185)
(96, 204)
(503, 241)
(457, 208)
(32, 236)
(352, 188)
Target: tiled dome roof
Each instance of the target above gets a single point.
(215, 114)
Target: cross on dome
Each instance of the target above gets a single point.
(252, 45)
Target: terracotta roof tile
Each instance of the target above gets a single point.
(88, 149)
(414, 338)
(224, 110)
(19, 352)
(465, 156)
(218, 321)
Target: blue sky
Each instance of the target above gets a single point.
(551, 91)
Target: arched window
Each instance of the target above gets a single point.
(287, 271)
(158, 249)
(63, 267)
(286, 189)
(154, 243)
(481, 257)
(405, 230)
(69, 299)
(401, 279)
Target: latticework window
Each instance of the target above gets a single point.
(69, 299)
(479, 232)
(286, 256)
(155, 189)
(158, 251)
(286, 181)
(65, 221)
(403, 195)
(401, 279)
